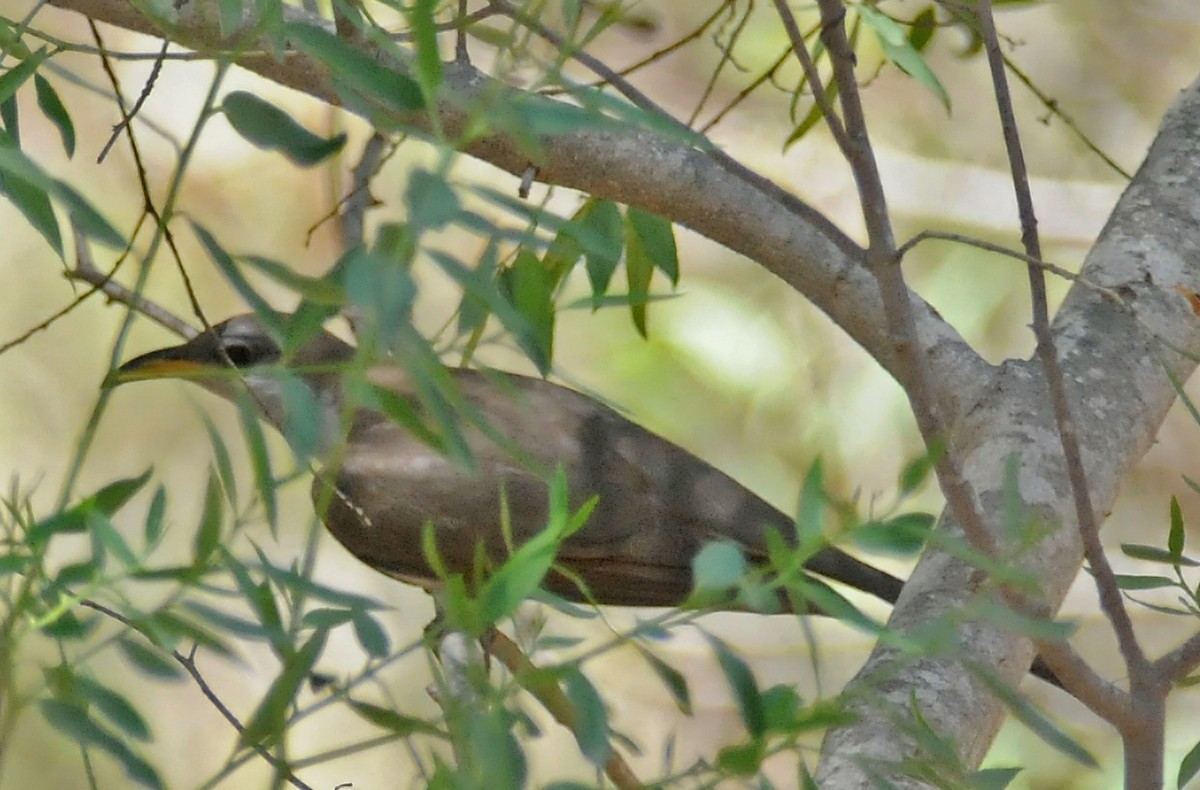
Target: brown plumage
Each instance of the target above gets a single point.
(657, 503)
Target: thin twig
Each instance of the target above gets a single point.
(188, 663)
(1106, 583)
(127, 117)
(911, 367)
(820, 96)
(85, 271)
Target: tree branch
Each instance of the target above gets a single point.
(702, 190)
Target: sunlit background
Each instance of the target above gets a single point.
(739, 369)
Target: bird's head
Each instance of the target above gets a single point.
(242, 354)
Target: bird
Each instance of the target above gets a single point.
(379, 483)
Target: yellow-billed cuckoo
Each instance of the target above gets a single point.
(657, 503)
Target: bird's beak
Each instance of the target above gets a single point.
(166, 363)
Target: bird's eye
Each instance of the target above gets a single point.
(239, 354)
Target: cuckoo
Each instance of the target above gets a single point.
(657, 504)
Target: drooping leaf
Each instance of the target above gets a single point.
(268, 720)
(208, 533)
(429, 61)
(361, 79)
(56, 112)
(591, 717)
(1155, 554)
(148, 660)
(115, 707)
(74, 722)
(270, 128)
(742, 684)
(1023, 709)
(389, 719)
(672, 679)
(529, 286)
(899, 50)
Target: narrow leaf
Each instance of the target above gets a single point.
(741, 683)
(591, 717)
(270, 128)
(56, 112)
(267, 722)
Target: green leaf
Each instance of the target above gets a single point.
(916, 471)
(29, 189)
(16, 76)
(1155, 554)
(529, 286)
(899, 50)
(1175, 537)
(432, 203)
(56, 112)
(656, 237)
(268, 721)
(75, 723)
(639, 270)
(812, 117)
(781, 708)
(148, 660)
(115, 707)
(261, 600)
(15, 562)
(921, 30)
(1189, 766)
(303, 422)
(591, 717)
(226, 623)
(168, 629)
(718, 565)
(357, 75)
(228, 268)
(486, 291)
(493, 750)
(1138, 582)
(429, 61)
(741, 683)
(371, 636)
(672, 679)
(106, 537)
(1031, 717)
(522, 573)
(155, 518)
(810, 514)
(223, 462)
(993, 778)
(317, 290)
(903, 535)
(34, 204)
(389, 719)
(260, 460)
(1033, 627)
(12, 41)
(103, 503)
(114, 496)
(742, 759)
(270, 128)
(208, 534)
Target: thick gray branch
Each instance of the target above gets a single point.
(1120, 394)
(707, 192)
